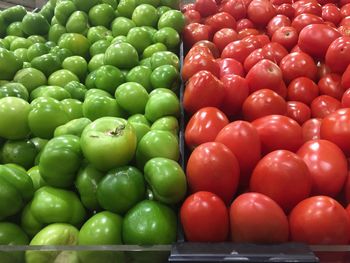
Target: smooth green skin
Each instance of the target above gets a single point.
(165, 76)
(29, 223)
(163, 9)
(76, 90)
(99, 47)
(21, 54)
(118, 39)
(162, 91)
(55, 32)
(73, 108)
(47, 64)
(78, 22)
(35, 24)
(37, 39)
(157, 143)
(90, 80)
(95, 107)
(76, 65)
(47, 11)
(121, 26)
(45, 116)
(9, 64)
(145, 15)
(20, 42)
(139, 118)
(9, 39)
(14, 89)
(96, 62)
(149, 223)
(15, 29)
(174, 19)
(62, 77)
(54, 235)
(36, 50)
(140, 130)
(73, 127)
(35, 175)
(161, 105)
(4, 43)
(166, 179)
(54, 92)
(150, 50)
(39, 143)
(121, 55)
(14, 14)
(126, 8)
(112, 3)
(26, 64)
(173, 4)
(164, 58)
(31, 78)
(167, 123)
(84, 5)
(168, 36)
(101, 15)
(108, 78)
(61, 53)
(141, 75)
(132, 92)
(108, 143)
(139, 38)
(98, 33)
(86, 183)
(121, 189)
(16, 188)
(14, 114)
(78, 44)
(63, 11)
(21, 152)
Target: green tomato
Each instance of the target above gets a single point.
(14, 13)
(101, 15)
(140, 130)
(168, 36)
(139, 118)
(45, 116)
(15, 29)
(50, 45)
(20, 152)
(37, 39)
(78, 44)
(146, 62)
(157, 47)
(61, 53)
(35, 175)
(90, 79)
(84, 5)
(99, 47)
(118, 39)
(55, 32)
(164, 58)
(63, 11)
(121, 26)
(4, 43)
(35, 24)
(73, 108)
(126, 8)
(121, 55)
(62, 77)
(20, 42)
(108, 78)
(96, 62)
(54, 92)
(76, 90)
(141, 75)
(77, 23)
(174, 19)
(39, 143)
(139, 38)
(47, 64)
(163, 9)
(47, 11)
(76, 65)
(167, 123)
(155, 3)
(29, 223)
(21, 54)
(112, 3)
(165, 76)
(37, 50)
(121, 189)
(9, 39)
(132, 91)
(98, 33)
(173, 4)
(108, 143)
(95, 107)
(14, 118)
(145, 15)
(14, 89)
(73, 127)
(9, 64)
(31, 78)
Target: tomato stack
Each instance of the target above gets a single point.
(267, 95)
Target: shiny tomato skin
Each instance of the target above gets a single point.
(223, 37)
(276, 22)
(235, 8)
(212, 47)
(263, 102)
(276, 172)
(311, 129)
(338, 54)
(230, 66)
(319, 220)
(278, 132)
(197, 63)
(287, 10)
(238, 50)
(282, 90)
(243, 140)
(204, 126)
(247, 32)
(258, 41)
(324, 105)
(250, 208)
(330, 84)
(213, 167)
(322, 70)
(198, 50)
(298, 111)
(345, 21)
(309, 8)
(281, 2)
(204, 218)
(345, 10)
(331, 13)
(344, 30)
(327, 165)
(345, 79)
(286, 36)
(195, 32)
(260, 12)
(206, 7)
(186, 7)
(304, 20)
(244, 23)
(192, 16)
(274, 52)
(345, 100)
(253, 58)
(220, 20)
(303, 89)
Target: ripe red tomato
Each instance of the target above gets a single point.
(243, 140)
(203, 90)
(336, 128)
(286, 36)
(192, 16)
(197, 50)
(324, 105)
(330, 84)
(299, 3)
(331, 13)
(236, 91)
(302, 89)
(244, 23)
(223, 37)
(344, 30)
(214, 51)
(311, 129)
(338, 54)
(298, 111)
(347, 193)
(345, 21)
(327, 165)
(322, 70)
(197, 63)
(195, 32)
(274, 52)
(221, 20)
(281, 2)
(238, 50)
(204, 126)
(345, 100)
(345, 10)
(247, 32)
(204, 218)
(277, 22)
(282, 90)
(250, 208)
(230, 66)
(287, 10)
(310, 36)
(264, 74)
(186, 7)
(235, 8)
(257, 41)
(345, 79)
(298, 64)
(276, 172)
(213, 167)
(319, 220)
(278, 132)
(304, 20)
(262, 103)
(260, 12)
(206, 7)
(309, 8)
(253, 58)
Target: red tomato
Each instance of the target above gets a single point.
(253, 58)
(223, 37)
(286, 36)
(344, 30)
(236, 91)
(203, 90)
(322, 70)
(262, 103)
(336, 128)
(244, 23)
(192, 16)
(311, 129)
(309, 39)
(345, 79)
(345, 21)
(195, 32)
(299, 3)
(302, 89)
(281, 2)
(319, 220)
(324, 105)
(264, 74)
(287, 10)
(345, 100)
(298, 64)
(295, 49)
(204, 218)
(324, 2)
(230, 66)
(274, 175)
(258, 41)
(347, 192)
(331, 13)
(243, 140)
(197, 63)
(250, 208)
(212, 47)
(247, 32)
(345, 10)
(221, 20)
(274, 52)
(282, 90)
(298, 111)
(327, 165)
(204, 126)
(277, 22)
(198, 50)
(238, 50)
(338, 54)
(309, 8)
(278, 132)
(186, 7)
(213, 167)
(343, 2)
(330, 84)
(235, 8)
(260, 12)
(206, 7)
(304, 20)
